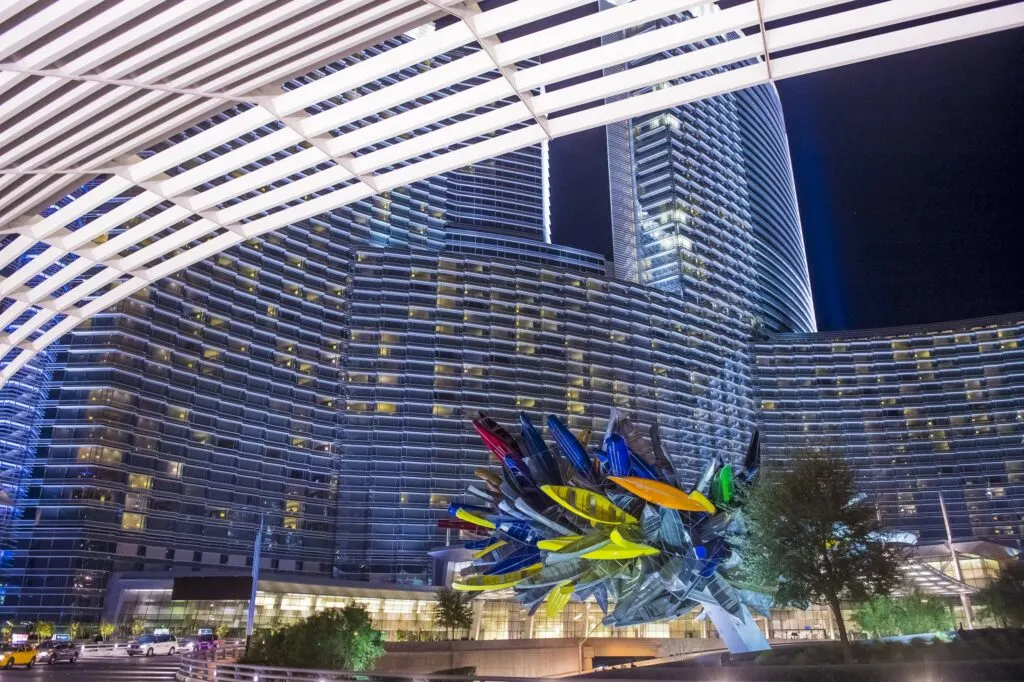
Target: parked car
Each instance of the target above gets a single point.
(18, 654)
(153, 645)
(51, 652)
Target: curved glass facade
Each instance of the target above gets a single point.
(918, 410)
(783, 283)
(704, 208)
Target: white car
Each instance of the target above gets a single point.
(153, 645)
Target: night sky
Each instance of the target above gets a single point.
(910, 176)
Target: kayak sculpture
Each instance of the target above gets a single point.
(610, 523)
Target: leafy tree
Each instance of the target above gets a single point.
(335, 639)
(453, 610)
(877, 617)
(74, 629)
(222, 630)
(811, 538)
(44, 629)
(1002, 600)
(107, 629)
(136, 627)
(907, 615)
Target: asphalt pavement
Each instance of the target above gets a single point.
(120, 669)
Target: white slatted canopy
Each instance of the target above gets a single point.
(88, 86)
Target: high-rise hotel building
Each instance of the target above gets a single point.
(920, 411)
(704, 209)
(291, 378)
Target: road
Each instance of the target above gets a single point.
(100, 670)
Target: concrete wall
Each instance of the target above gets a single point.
(527, 657)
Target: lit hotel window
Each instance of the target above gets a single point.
(131, 521)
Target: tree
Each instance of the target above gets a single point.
(107, 629)
(1002, 600)
(335, 639)
(74, 629)
(877, 617)
(453, 611)
(222, 630)
(910, 614)
(811, 538)
(136, 627)
(44, 629)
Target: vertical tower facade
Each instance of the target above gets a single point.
(703, 207)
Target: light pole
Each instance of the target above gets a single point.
(964, 599)
(251, 614)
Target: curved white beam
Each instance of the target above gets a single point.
(124, 90)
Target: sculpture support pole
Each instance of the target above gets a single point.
(741, 635)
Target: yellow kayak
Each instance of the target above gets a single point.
(487, 583)
(470, 517)
(589, 505)
(558, 598)
(703, 501)
(488, 549)
(656, 492)
(614, 552)
(555, 544)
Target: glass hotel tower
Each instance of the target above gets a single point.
(704, 208)
(323, 376)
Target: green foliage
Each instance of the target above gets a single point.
(809, 540)
(453, 610)
(907, 615)
(44, 629)
(136, 627)
(222, 630)
(1002, 601)
(335, 639)
(74, 629)
(107, 629)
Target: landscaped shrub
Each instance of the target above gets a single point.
(335, 639)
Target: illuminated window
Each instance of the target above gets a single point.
(290, 523)
(131, 521)
(140, 481)
(293, 507)
(176, 412)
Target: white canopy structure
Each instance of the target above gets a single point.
(88, 86)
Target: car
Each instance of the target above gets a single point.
(187, 645)
(18, 654)
(153, 645)
(205, 642)
(51, 652)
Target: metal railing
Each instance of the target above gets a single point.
(193, 669)
(103, 649)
